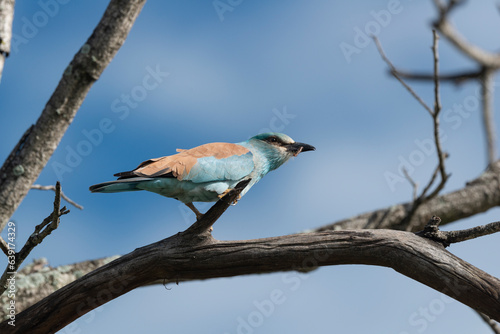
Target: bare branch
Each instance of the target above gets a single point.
(6, 18)
(486, 59)
(414, 185)
(203, 226)
(479, 195)
(25, 163)
(32, 286)
(53, 188)
(394, 72)
(180, 259)
(487, 113)
(4, 246)
(457, 78)
(42, 230)
(446, 238)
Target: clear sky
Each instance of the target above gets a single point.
(305, 68)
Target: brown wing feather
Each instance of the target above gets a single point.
(179, 165)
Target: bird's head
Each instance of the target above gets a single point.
(277, 148)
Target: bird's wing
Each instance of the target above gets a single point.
(205, 163)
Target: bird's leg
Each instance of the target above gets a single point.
(195, 210)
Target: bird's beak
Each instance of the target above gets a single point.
(296, 148)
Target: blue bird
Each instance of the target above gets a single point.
(207, 172)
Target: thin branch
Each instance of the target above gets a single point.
(42, 230)
(53, 188)
(434, 113)
(414, 185)
(487, 112)
(431, 231)
(204, 225)
(486, 59)
(23, 166)
(435, 117)
(394, 72)
(4, 246)
(457, 78)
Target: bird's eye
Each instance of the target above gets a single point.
(272, 139)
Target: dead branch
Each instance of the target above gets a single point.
(183, 257)
(486, 59)
(53, 188)
(42, 230)
(446, 238)
(27, 160)
(434, 113)
(478, 195)
(6, 18)
(487, 113)
(455, 78)
(394, 72)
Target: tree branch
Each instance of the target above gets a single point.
(179, 259)
(25, 163)
(394, 72)
(446, 238)
(6, 18)
(479, 195)
(456, 78)
(53, 188)
(37, 280)
(486, 59)
(42, 230)
(487, 113)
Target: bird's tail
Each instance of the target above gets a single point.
(118, 185)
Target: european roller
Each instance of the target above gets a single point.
(207, 172)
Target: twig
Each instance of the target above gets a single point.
(42, 230)
(66, 198)
(4, 246)
(490, 322)
(431, 231)
(414, 185)
(488, 122)
(203, 225)
(434, 113)
(456, 78)
(394, 72)
(435, 117)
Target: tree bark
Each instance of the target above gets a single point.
(186, 256)
(33, 151)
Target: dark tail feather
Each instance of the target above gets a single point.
(118, 185)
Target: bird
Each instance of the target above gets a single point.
(207, 172)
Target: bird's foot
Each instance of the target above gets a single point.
(198, 214)
(226, 192)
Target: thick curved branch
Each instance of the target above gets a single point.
(30, 156)
(182, 258)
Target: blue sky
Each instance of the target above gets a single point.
(263, 65)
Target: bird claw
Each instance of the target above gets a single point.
(227, 192)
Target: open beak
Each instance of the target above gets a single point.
(296, 148)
